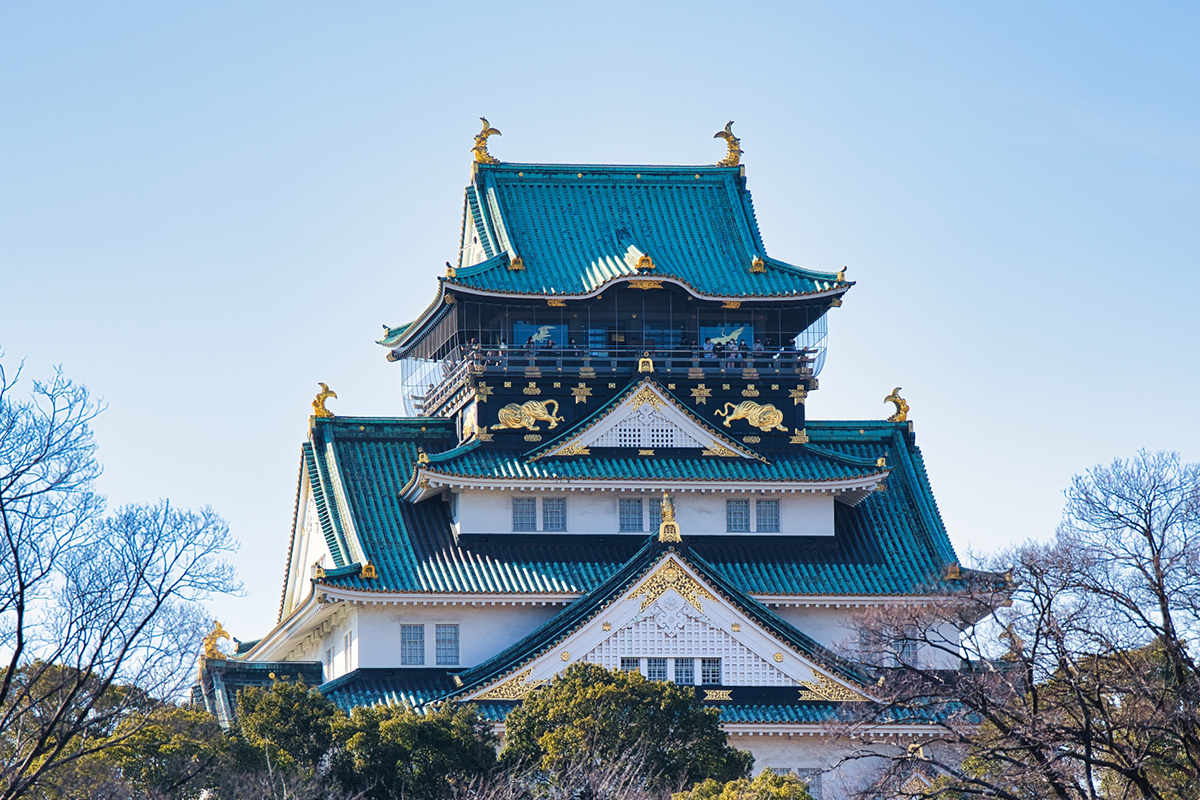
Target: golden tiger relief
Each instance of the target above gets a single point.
(526, 415)
(764, 417)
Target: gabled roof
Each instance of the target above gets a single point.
(559, 628)
(578, 227)
(891, 543)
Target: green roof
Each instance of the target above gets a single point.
(579, 227)
(891, 543)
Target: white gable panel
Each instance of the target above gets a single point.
(648, 419)
(672, 613)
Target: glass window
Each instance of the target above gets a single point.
(656, 669)
(768, 516)
(447, 644)
(629, 665)
(524, 514)
(710, 670)
(655, 513)
(685, 671)
(631, 515)
(412, 644)
(554, 514)
(737, 516)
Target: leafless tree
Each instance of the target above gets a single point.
(1072, 676)
(91, 603)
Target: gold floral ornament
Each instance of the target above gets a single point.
(670, 576)
(766, 417)
(734, 156)
(645, 263)
(645, 363)
(318, 403)
(668, 529)
(515, 688)
(825, 688)
(528, 414)
(480, 150)
(901, 414)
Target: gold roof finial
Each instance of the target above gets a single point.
(734, 156)
(841, 276)
(480, 149)
(901, 414)
(318, 403)
(210, 642)
(668, 530)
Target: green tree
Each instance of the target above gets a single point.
(593, 715)
(388, 752)
(289, 723)
(767, 786)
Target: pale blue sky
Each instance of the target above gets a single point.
(204, 211)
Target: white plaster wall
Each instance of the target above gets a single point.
(597, 513)
(837, 629)
(804, 754)
(483, 630)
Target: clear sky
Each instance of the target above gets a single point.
(207, 208)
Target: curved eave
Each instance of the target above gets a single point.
(409, 331)
(427, 483)
(836, 290)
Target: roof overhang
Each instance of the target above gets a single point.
(427, 483)
(646, 281)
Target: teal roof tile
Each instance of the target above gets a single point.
(579, 227)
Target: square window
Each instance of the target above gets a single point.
(685, 671)
(446, 637)
(767, 512)
(655, 513)
(524, 514)
(710, 670)
(737, 516)
(554, 514)
(629, 665)
(412, 644)
(656, 669)
(631, 516)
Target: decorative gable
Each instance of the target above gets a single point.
(672, 616)
(649, 418)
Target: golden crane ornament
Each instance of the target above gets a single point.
(901, 414)
(480, 150)
(318, 403)
(734, 156)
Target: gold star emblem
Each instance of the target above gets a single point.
(581, 393)
(700, 394)
(798, 394)
(483, 435)
(482, 391)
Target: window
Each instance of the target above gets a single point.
(447, 644)
(629, 665)
(629, 437)
(631, 515)
(554, 514)
(524, 514)
(655, 514)
(710, 670)
(412, 644)
(767, 512)
(737, 516)
(685, 671)
(656, 669)
(780, 770)
(346, 640)
(329, 663)
(907, 645)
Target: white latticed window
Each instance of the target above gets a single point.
(629, 665)
(662, 437)
(710, 670)
(655, 514)
(737, 516)
(685, 671)
(447, 644)
(524, 514)
(554, 514)
(629, 437)
(656, 669)
(767, 512)
(412, 644)
(631, 515)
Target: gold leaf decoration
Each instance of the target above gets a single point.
(670, 576)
